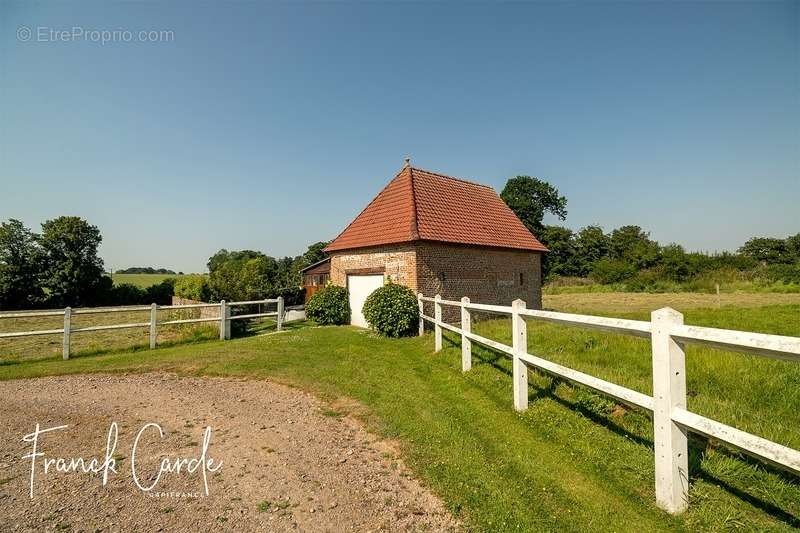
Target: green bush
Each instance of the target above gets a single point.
(612, 271)
(160, 293)
(193, 287)
(392, 310)
(292, 295)
(783, 273)
(329, 305)
(125, 294)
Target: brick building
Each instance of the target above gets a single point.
(437, 234)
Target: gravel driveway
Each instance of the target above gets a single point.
(288, 462)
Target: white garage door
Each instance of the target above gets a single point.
(360, 287)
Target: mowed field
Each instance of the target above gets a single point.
(575, 461)
(611, 303)
(141, 280)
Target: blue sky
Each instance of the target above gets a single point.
(270, 125)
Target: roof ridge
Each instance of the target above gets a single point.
(439, 174)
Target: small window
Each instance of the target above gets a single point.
(521, 278)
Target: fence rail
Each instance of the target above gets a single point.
(224, 319)
(671, 420)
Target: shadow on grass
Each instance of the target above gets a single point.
(769, 508)
(697, 444)
(270, 326)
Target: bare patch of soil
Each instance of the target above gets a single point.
(289, 462)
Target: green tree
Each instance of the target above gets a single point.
(676, 264)
(531, 198)
(193, 287)
(591, 245)
(633, 245)
(20, 262)
(769, 250)
(314, 253)
(793, 246)
(73, 271)
(249, 275)
(223, 256)
(561, 259)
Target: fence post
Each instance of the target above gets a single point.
(223, 315)
(466, 343)
(421, 312)
(67, 327)
(519, 330)
(153, 322)
(669, 391)
(437, 315)
(280, 313)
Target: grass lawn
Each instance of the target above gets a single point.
(141, 280)
(573, 462)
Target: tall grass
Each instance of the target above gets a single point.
(729, 281)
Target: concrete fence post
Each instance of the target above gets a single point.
(437, 315)
(669, 392)
(421, 312)
(223, 312)
(280, 313)
(519, 330)
(466, 343)
(228, 322)
(153, 323)
(67, 327)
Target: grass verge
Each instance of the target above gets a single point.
(573, 462)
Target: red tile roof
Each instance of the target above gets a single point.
(421, 205)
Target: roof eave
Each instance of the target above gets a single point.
(315, 264)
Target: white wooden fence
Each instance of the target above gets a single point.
(671, 419)
(224, 319)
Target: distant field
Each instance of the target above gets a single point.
(141, 280)
(632, 302)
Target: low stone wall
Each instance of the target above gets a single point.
(200, 312)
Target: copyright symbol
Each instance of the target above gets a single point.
(24, 34)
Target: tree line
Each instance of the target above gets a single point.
(149, 270)
(60, 266)
(628, 255)
(57, 267)
(250, 275)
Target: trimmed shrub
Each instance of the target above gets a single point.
(392, 310)
(329, 305)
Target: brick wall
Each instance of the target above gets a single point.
(398, 262)
(485, 275)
